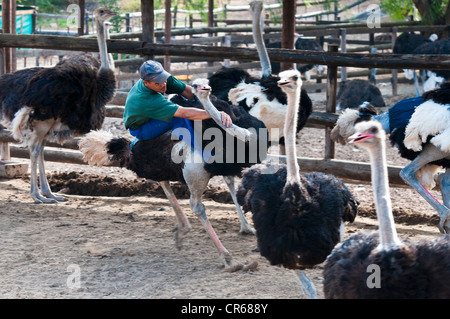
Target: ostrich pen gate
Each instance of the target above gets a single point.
(347, 170)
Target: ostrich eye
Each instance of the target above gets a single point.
(373, 130)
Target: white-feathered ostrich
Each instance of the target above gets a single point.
(354, 92)
(426, 145)
(298, 218)
(300, 44)
(55, 104)
(261, 97)
(379, 264)
(164, 159)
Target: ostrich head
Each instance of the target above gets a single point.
(201, 88)
(290, 81)
(368, 135)
(103, 14)
(345, 125)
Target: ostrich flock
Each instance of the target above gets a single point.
(298, 218)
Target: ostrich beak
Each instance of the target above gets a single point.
(205, 88)
(359, 137)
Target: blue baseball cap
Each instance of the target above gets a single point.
(153, 71)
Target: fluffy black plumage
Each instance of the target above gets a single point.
(145, 158)
(437, 47)
(417, 270)
(79, 84)
(294, 231)
(13, 87)
(407, 42)
(353, 93)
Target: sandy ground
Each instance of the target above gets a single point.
(113, 238)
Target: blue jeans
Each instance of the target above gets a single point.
(154, 128)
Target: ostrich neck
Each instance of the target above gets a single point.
(234, 130)
(257, 27)
(388, 234)
(102, 47)
(290, 132)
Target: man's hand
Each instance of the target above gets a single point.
(226, 119)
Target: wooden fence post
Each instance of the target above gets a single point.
(394, 71)
(343, 36)
(331, 102)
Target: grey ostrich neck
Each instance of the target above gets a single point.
(380, 182)
(102, 47)
(290, 131)
(234, 130)
(257, 27)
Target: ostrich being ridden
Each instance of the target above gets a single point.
(178, 160)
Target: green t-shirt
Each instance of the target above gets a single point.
(143, 104)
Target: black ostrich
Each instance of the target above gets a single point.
(378, 265)
(261, 97)
(411, 43)
(300, 44)
(419, 128)
(354, 92)
(164, 159)
(436, 77)
(54, 104)
(408, 41)
(298, 218)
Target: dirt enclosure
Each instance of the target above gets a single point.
(113, 237)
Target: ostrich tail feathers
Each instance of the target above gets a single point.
(94, 147)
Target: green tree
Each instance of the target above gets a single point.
(429, 11)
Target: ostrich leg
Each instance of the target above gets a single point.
(445, 187)
(45, 187)
(197, 180)
(308, 287)
(246, 228)
(35, 150)
(429, 154)
(183, 226)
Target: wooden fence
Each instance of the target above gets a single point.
(332, 58)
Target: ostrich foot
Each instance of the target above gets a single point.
(247, 230)
(180, 233)
(244, 267)
(444, 224)
(56, 198)
(226, 258)
(38, 199)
